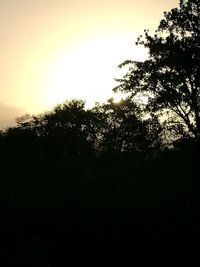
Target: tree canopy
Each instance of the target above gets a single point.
(70, 130)
(170, 77)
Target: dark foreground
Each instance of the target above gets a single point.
(46, 203)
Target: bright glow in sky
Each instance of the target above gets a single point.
(52, 50)
(87, 72)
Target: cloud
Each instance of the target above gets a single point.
(8, 115)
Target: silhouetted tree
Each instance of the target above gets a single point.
(65, 129)
(122, 128)
(20, 143)
(59, 133)
(170, 77)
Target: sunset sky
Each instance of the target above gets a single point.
(52, 50)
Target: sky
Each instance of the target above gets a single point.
(53, 50)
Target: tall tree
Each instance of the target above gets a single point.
(170, 77)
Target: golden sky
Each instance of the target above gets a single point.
(52, 50)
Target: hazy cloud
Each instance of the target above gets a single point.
(8, 114)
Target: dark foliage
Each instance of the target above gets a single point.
(170, 77)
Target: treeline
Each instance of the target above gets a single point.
(69, 130)
(96, 173)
